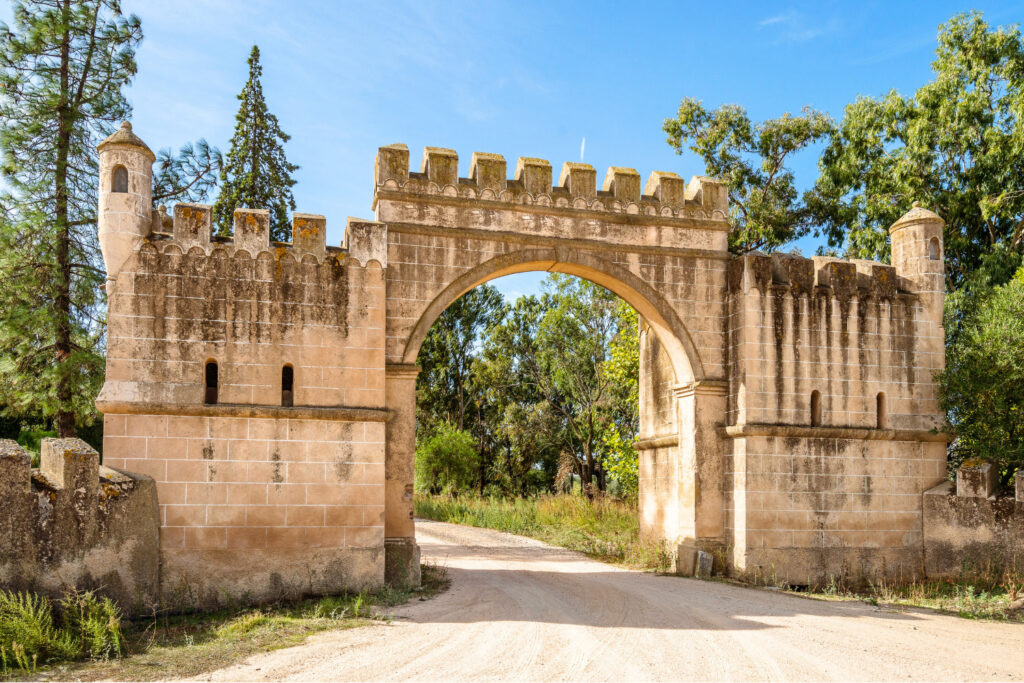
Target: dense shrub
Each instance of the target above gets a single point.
(447, 460)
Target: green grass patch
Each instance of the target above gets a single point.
(603, 528)
(174, 646)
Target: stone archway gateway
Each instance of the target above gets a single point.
(266, 494)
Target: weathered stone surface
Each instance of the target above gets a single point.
(977, 533)
(74, 524)
(976, 479)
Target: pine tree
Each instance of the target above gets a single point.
(256, 174)
(62, 68)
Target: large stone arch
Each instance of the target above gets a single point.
(652, 307)
(663, 253)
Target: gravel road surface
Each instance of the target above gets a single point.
(519, 609)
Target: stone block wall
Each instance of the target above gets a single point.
(73, 524)
(265, 490)
(970, 525)
(833, 420)
(842, 329)
(807, 507)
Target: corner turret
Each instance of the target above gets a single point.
(917, 255)
(125, 197)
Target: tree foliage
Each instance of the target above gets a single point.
(981, 385)
(256, 174)
(766, 209)
(62, 68)
(189, 176)
(956, 145)
(546, 380)
(623, 372)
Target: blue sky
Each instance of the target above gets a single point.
(516, 78)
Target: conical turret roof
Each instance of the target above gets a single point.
(125, 136)
(916, 214)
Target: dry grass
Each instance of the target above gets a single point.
(603, 528)
(980, 592)
(165, 646)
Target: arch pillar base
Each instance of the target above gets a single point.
(402, 562)
(684, 563)
(401, 554)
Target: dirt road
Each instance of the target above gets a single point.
(518, 609)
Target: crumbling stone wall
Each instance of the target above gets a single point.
(73, 524)
(971, 525)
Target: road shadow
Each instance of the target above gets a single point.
(585, 592)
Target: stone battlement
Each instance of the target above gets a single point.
(665, 194)
(75, 523)
(800, 276)
(191, 228)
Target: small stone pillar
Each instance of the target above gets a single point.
(977, 479)
(1020, 485)
(15, 492)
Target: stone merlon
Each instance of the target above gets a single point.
(664, 194)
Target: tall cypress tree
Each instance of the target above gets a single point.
(256, 174)
(62, 68)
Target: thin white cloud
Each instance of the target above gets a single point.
(777, 19)
(796, 27)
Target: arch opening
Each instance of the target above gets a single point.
(656, 313)
(881, 411)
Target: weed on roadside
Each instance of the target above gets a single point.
(164, 646)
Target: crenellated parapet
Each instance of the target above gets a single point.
(191, 228)
(818, 275)
(665, 194)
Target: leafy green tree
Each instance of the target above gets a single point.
(447, 389)
(189, 176)
(766, 210)
(956, 145)
(527, 433)
(623, 372)
(443, 386)
(256, 173)
(446, 461)
(980, 388)
(573, 340)
(62, 68)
